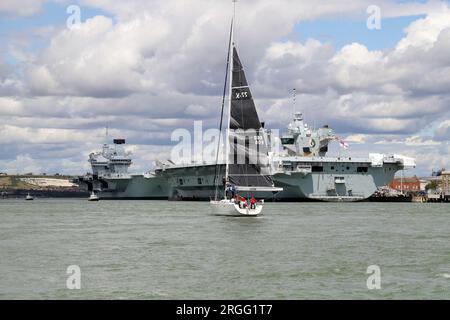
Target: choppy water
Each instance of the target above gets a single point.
(174, 250)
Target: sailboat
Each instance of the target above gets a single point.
(29, 197)
(247, 165)
(93, 197)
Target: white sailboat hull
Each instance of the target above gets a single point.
(93, 197)
(229, 208)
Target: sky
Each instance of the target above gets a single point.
(146, 68)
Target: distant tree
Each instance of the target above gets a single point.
(432, 185)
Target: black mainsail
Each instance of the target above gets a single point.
(243, 111)
(248, 165)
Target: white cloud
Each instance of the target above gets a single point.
(10, 106)
(423, 33)
(20, 7)
(96, 59)
(12, 134)
(442, 132)
(356, 138)
(196, 110)
(23, 163)
(411, 141)
(9, 83)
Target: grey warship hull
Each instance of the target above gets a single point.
(302, 179)
(136, 187)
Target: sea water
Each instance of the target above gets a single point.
(181, 250)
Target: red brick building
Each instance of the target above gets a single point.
(405, 184)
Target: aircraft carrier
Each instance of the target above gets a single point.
(302, 169)
(110, 179)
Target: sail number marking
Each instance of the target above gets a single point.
(258, 140)
(241, 95)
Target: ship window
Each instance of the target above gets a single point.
(348, 168)
(332, 168)
(287, 140)
(199, 180)
(317, 169)
(362, 169)
(181, 182)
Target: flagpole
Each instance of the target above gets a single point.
(294, 97)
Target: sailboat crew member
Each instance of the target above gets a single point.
(253, 203)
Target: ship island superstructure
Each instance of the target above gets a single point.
(110, 178)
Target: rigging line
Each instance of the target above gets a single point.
(221, 114)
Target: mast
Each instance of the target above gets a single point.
(217, 169)
(230, 91)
